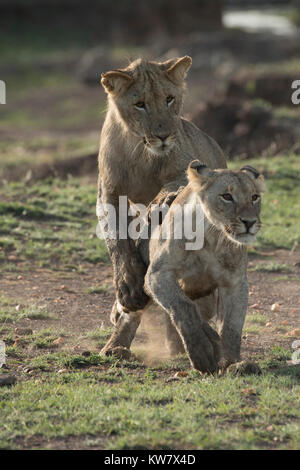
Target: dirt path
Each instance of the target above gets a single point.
(76, 310)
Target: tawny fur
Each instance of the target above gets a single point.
(144, 153)
(195, 286)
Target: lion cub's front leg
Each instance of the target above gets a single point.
(232, 308)
(125, 329)
(201, 342)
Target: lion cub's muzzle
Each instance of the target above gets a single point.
(160, 144)
(247, 230)
(249, 225)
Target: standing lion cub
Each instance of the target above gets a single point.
(194, 286)
(145, 147)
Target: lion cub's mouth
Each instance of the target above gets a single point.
(242, 238)
(246, 238)
(160, 147)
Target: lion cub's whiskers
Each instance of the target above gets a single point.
(136, 147)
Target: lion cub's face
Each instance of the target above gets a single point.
(231, 199)
(148, 97)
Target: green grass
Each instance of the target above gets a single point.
(100, 334)
(272, 268)
(287, 278)
(43, 339)
(97, 289)
(129, 406)
(256, 318)
(25, 155)
(64, 114)
(9, 313)
(51, 224)
(252, 328)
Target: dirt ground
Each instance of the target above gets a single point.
(76, 312)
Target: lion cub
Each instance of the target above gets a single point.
(193, 286)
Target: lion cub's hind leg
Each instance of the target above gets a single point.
(208, 305)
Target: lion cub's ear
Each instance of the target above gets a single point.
(115, 81)
(254, 174)
(178, 71)
(198, 174)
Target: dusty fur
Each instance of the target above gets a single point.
(194, 286)
(145, 148)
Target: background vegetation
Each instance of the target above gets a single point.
(55, 276)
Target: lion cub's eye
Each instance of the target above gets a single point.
(227, 197)
(255, 197)
(170, 99)
(140, 105)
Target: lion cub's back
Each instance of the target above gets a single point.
(200, 145)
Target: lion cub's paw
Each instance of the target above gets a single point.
(244, 368)
(120, 352)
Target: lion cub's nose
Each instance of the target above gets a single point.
(162, 137)
(248, 223)
(161, 131)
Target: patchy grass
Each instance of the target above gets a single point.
(97, 289)
(254, 323)
(252, 328)
(100, 335)
(272, 268)
(26, 154)
(127, 405)
(52, 223)
(131, 406)
(49, 224)
(43, 339)
(287, 278)
(256, 318)
(10, 314)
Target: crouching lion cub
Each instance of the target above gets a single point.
(194, 286)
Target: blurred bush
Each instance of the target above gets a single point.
(107, 20)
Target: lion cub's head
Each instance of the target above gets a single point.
(231, 199)
(148, 98)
